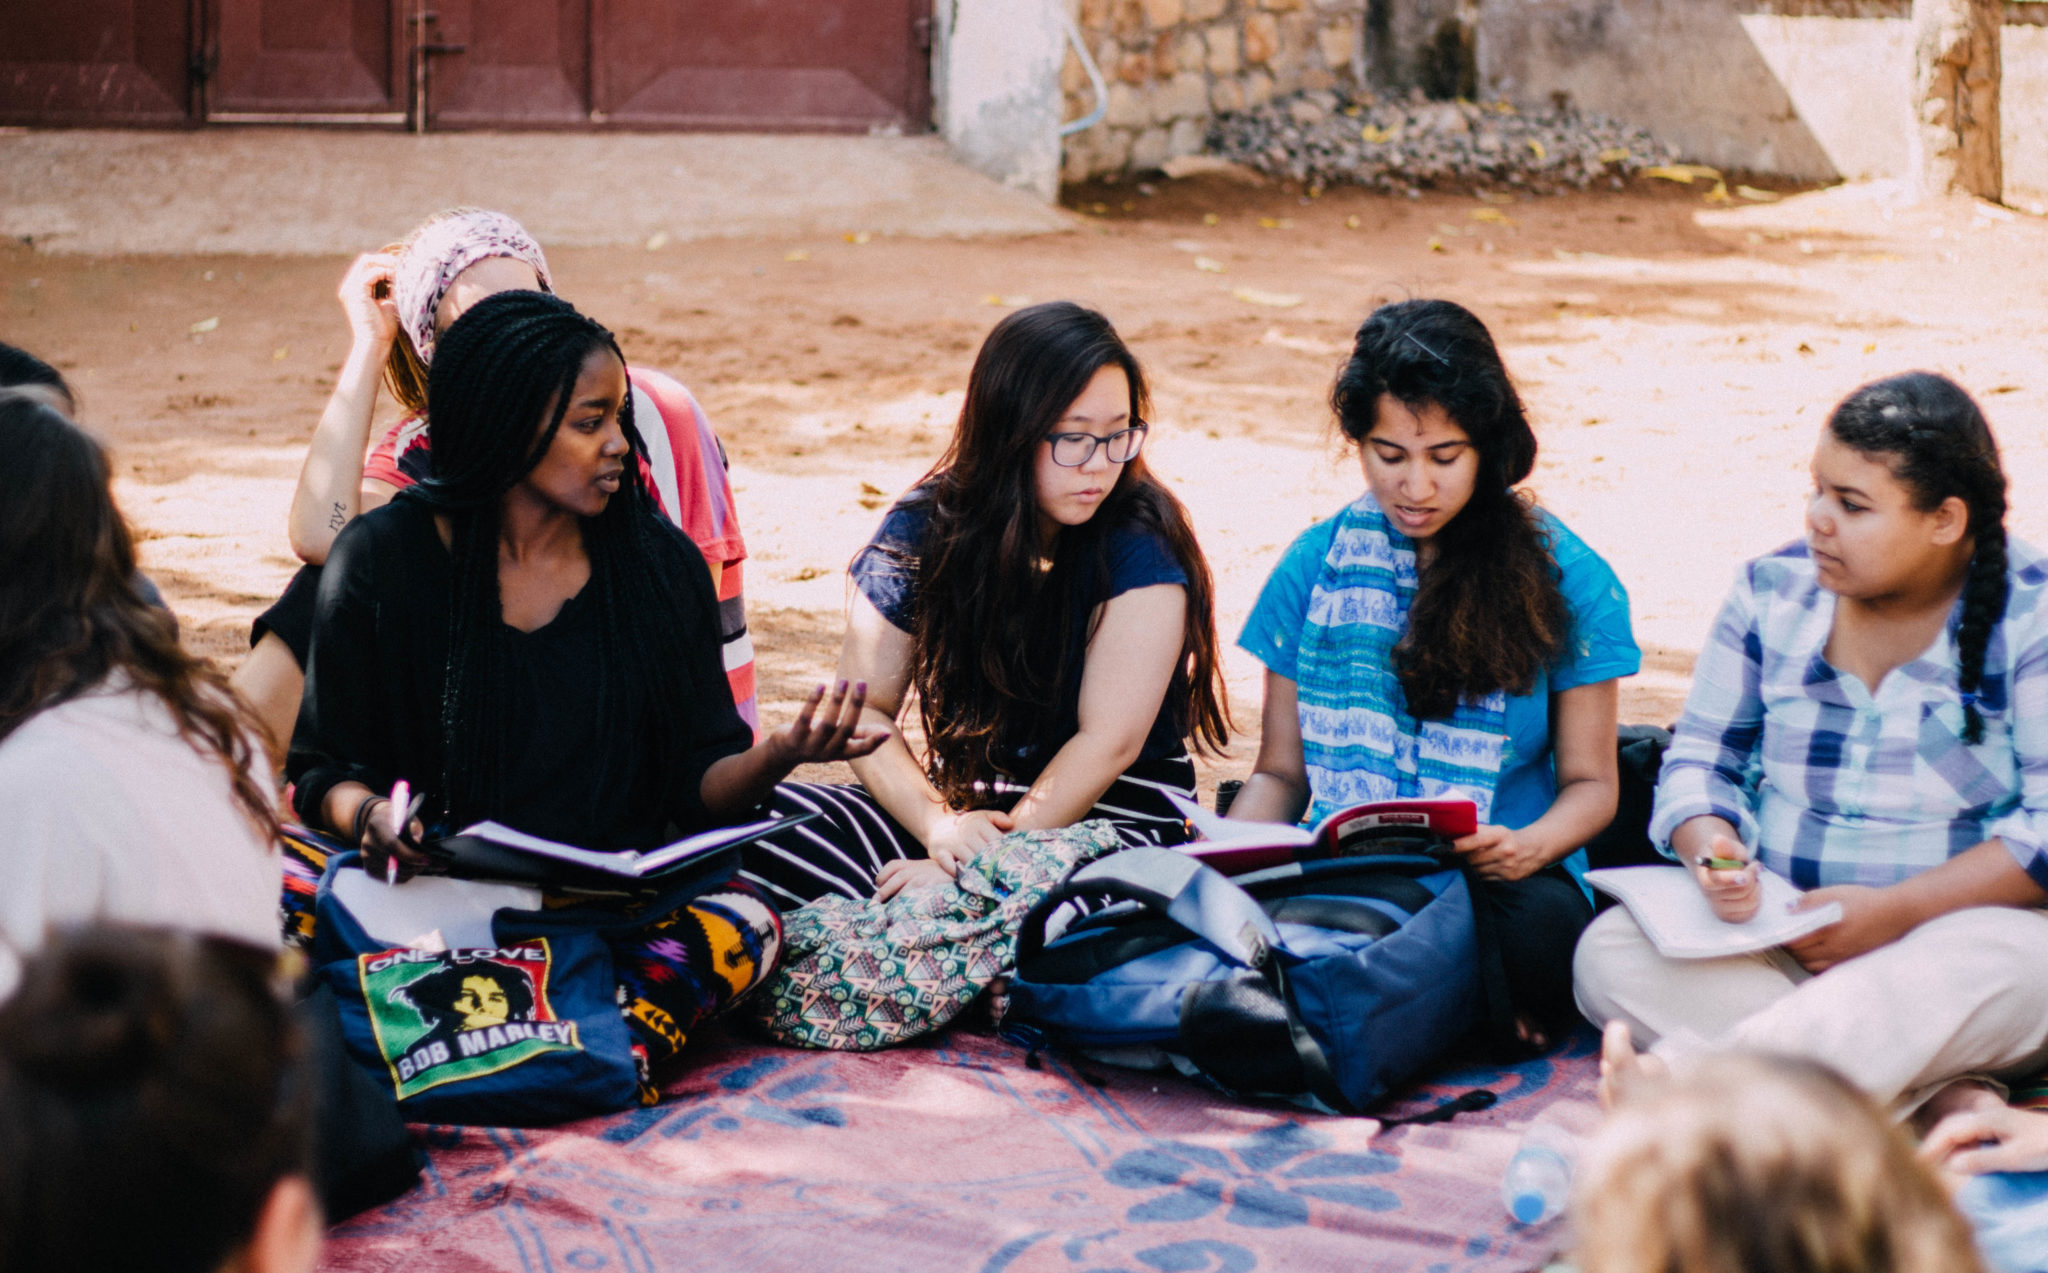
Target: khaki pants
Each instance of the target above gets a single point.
(1965, 994)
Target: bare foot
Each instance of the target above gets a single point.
(1623, 1069)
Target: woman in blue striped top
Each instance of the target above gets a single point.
(1443, 636)
(1869, 719)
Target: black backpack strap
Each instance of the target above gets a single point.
(1315, 1063)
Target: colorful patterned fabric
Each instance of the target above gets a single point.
(445, 249)
(690, 965)
(305, 860)
(1357, 737)
(1834, 784)
(864, 975)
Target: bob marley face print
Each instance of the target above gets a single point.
(443, 1016)
(472, 996)
(482, 1003)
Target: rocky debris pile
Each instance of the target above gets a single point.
(1321, 139)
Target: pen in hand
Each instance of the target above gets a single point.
(404, 805)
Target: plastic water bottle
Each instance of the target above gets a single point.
(1539, 1176)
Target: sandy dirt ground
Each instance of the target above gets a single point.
(1678, 359)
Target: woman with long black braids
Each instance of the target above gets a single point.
(522, 637)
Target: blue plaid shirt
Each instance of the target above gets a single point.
(1833, 784)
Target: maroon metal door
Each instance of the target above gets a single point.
(840, 64)
(323, 59)
(65, 62)
(508, 63)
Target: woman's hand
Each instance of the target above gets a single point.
(383, 846)
(366, 298)
(1996, 1138)
(909, 874)
(811, 739)
(1733, 893)
(957, 838)
(736, 786)
(1498, 853)
(1869, 920)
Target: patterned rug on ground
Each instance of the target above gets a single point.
(956, 1156)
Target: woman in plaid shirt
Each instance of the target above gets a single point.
(1870, 720)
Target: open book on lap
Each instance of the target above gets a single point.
(1668, 906)
(491, 850)
(1236, 847)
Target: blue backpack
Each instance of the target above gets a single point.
(518, 1024)
(1323, 982)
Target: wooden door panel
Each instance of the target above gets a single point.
(95, 62)
(523, 62)
(306, 57)
(758, 63)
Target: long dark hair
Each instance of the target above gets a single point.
(70, 614)
(1488, 612)
(1939, 446)
(500, 384)
(983, 601)
(154, 1072)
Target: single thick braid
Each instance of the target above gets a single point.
(1984, 596)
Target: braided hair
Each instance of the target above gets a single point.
(500, 384)
(1488, 613)
(1940, 447)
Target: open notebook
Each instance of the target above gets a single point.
(491, 850)
(1674, 914)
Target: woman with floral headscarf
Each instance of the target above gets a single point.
(399, 301)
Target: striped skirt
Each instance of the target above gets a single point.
(853, 837)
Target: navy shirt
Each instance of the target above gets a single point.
(1136, 557)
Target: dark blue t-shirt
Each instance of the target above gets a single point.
(886, 573)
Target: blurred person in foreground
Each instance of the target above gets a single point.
(1759, 1164)
(153, 1114)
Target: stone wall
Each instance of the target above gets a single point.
(1813, 89)
(1172, 64)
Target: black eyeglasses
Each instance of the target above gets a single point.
(1072, 450)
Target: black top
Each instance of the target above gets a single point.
(1134, 556)
(372, 708)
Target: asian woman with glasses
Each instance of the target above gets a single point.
(1444, 636)
(1041, 595)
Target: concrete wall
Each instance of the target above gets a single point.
(1806, 95)
(996, 87)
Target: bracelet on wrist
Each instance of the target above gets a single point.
(363, 812)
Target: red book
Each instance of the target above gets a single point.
(1235, 848)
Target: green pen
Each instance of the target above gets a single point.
(1721, 864)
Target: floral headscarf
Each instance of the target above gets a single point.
(445, 249)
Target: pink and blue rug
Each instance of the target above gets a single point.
(956, 1156)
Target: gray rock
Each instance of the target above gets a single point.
(1321, 139)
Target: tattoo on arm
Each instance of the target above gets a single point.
(338, 518)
